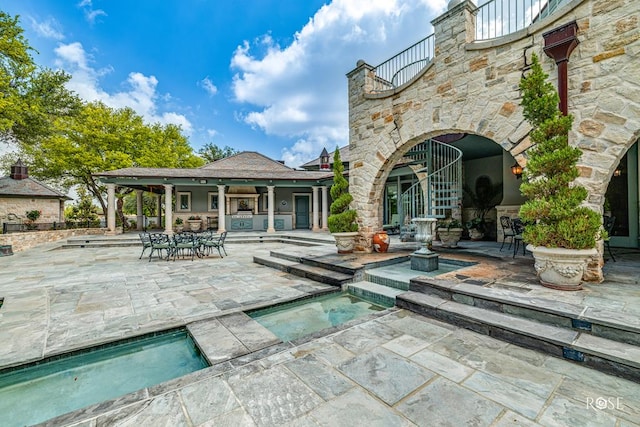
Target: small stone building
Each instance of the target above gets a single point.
(19, 194)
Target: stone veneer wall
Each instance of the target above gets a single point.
(49, 208)
(26, 240)
(472, 87)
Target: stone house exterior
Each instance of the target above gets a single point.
(20, 193)
(469, 84)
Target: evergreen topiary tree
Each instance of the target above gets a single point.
(342, 219)
(553, 209)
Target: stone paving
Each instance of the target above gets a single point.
(397, 368)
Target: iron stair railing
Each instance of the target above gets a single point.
(439, 188)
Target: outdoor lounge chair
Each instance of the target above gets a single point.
(394, 227)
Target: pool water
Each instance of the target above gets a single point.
(40, 392)
(295, 320)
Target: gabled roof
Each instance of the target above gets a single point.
(247, 160)
(28, 187)
(245, 165)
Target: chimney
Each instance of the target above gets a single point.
(19, 171)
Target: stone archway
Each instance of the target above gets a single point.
(472, 87)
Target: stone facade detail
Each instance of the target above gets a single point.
(472, 87)
(50, 209)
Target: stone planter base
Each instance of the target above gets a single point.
(559, 268)
(345, 242)
(450, 237)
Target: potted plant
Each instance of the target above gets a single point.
(561, 233)
(32, 217)
(449, 232)
(194, 222)
(342, 220)
(179, 224)
(485, 197)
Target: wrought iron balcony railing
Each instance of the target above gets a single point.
(403, 67)
(497, 18)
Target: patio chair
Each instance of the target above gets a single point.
(394, 227)
(160, 242)
(145, 238)
(507, 230)
(608, 222)
(185, 244)
(217, 242)
(518, 229)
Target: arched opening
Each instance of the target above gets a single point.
(486, 173)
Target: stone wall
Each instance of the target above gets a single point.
(22, 241)
(49, 208)
(472, 87)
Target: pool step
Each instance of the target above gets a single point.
(374, 292)
(386, 281)
(606, 355)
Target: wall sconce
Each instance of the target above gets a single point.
(203, 181)
(516, 169)
(617, 172)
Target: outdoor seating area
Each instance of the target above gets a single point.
(182, 245)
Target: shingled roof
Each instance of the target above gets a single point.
(245, 165)
(28, 187)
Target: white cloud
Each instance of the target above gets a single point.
(208, 85)
(140, 94)
(50, 29)
(90, 13)
(295, 90)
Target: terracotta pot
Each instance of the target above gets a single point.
(381, 241)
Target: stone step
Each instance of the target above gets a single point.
(617, 326)
(315, 273)
(277, 263)
(605, 355)
(324, 262)
(374, 292)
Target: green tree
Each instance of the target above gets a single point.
(99, 139)
(32, 97)
(210, 152)
(84, 211)
(342, 219)
(553, 208)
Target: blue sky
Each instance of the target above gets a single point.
(262, 75)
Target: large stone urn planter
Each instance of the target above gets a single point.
(194, 224)
(559, 268)
(449, 237)
(345, 241)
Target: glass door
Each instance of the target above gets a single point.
(621, 201)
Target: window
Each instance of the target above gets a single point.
(183, 201)
(213, 201)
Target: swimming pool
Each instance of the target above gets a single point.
(300, 318)
(42, 391)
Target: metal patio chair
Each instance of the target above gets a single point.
(518, 229)
(507, 230)
(216, 242)
(160, 242)
(145, 238)
(608, 223)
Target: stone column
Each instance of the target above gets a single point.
(159, 210)
(168, 209)
(221, 209)
(314, 208)
(270, 204)
(111, 208)
(139, 214)
(325, 208)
